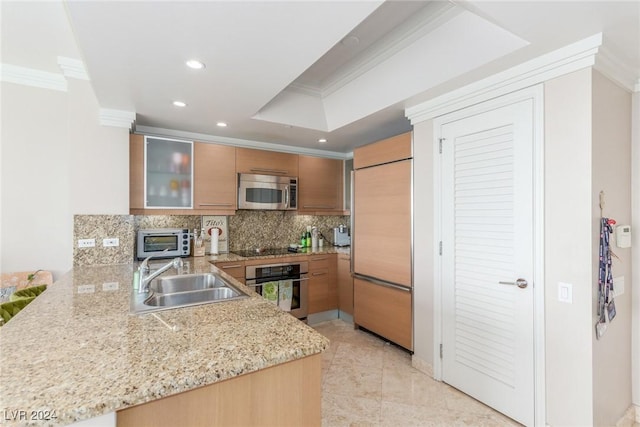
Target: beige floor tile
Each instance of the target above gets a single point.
(399, 414)
(354, 380)
(410, 386)
(370, 382)
(338, 411)
(359, 354)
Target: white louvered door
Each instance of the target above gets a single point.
(487, 238)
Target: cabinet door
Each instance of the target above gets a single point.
(266, 162)
(385, 151)
(323, 289)
(345, 284)
(384, 310)
(215, 177)
(320, 184)
(382, 224)
(136, 172)
(169, 177)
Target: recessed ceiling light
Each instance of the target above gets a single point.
(322, 140)
(195, 64)
(221, 124)
(179, 104)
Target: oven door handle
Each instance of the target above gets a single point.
(302, 279)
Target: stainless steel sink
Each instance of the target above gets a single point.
(187, 282)
(168, 292)
(180, 299)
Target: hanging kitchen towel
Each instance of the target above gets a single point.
(285, 292)
(270, 292)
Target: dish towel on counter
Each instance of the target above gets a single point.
(285, 291)
(270, 292)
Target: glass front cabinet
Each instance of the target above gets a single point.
(168, 173)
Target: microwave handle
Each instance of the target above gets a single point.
(286, 196)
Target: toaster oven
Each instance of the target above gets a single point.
(163, 243)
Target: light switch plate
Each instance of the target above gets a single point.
(565, 292)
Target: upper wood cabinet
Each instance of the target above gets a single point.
(136, 173)
(216, 184)
(385, 151)
(214, 180)
(266, 162)
(320, 185)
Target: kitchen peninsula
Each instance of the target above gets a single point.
(76, 353)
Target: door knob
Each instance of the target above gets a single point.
(521, 283)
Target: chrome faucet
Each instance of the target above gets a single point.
(143, 286)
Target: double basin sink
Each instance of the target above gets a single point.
(184, 290)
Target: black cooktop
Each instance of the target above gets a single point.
(248, 253)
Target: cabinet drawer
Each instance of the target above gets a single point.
(234, 269)
(385, 311)
(318, 261)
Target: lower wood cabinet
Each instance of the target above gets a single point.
(323, 287)
(235, 269)
(384, 310)
(283, 395)
(345, 284)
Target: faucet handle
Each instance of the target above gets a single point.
(178, 263)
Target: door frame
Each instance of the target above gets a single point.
(535, 93)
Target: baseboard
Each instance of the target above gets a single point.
(630, 417)
(422, 365)
(345, 316)
(323, 316)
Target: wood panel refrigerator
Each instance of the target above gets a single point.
(382, 249)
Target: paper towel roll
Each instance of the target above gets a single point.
(214, 241)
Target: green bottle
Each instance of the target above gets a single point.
(303, 240)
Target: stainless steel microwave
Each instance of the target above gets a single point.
(267, 192)
(163, 243)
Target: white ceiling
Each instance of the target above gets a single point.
(289, 73)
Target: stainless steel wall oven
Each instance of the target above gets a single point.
(287, 278)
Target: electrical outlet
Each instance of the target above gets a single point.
(110, 286)
(111, 242)
(86, 289)
(86, 243)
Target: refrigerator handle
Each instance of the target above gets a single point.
(352, 223)
(379, 282)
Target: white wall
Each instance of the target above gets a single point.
(635, 284)
(568, 240)
(57, 160)
(423, 217)
(611, 173)
(36, 213)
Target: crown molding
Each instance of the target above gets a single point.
(117, 118)
(30, 77)
(72, 68)
(236, 142)
(305, 89)
(554, 64)
(422, 23)
(617, 70)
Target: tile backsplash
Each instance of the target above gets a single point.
(247, 230)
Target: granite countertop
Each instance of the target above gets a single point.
(76, 352)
